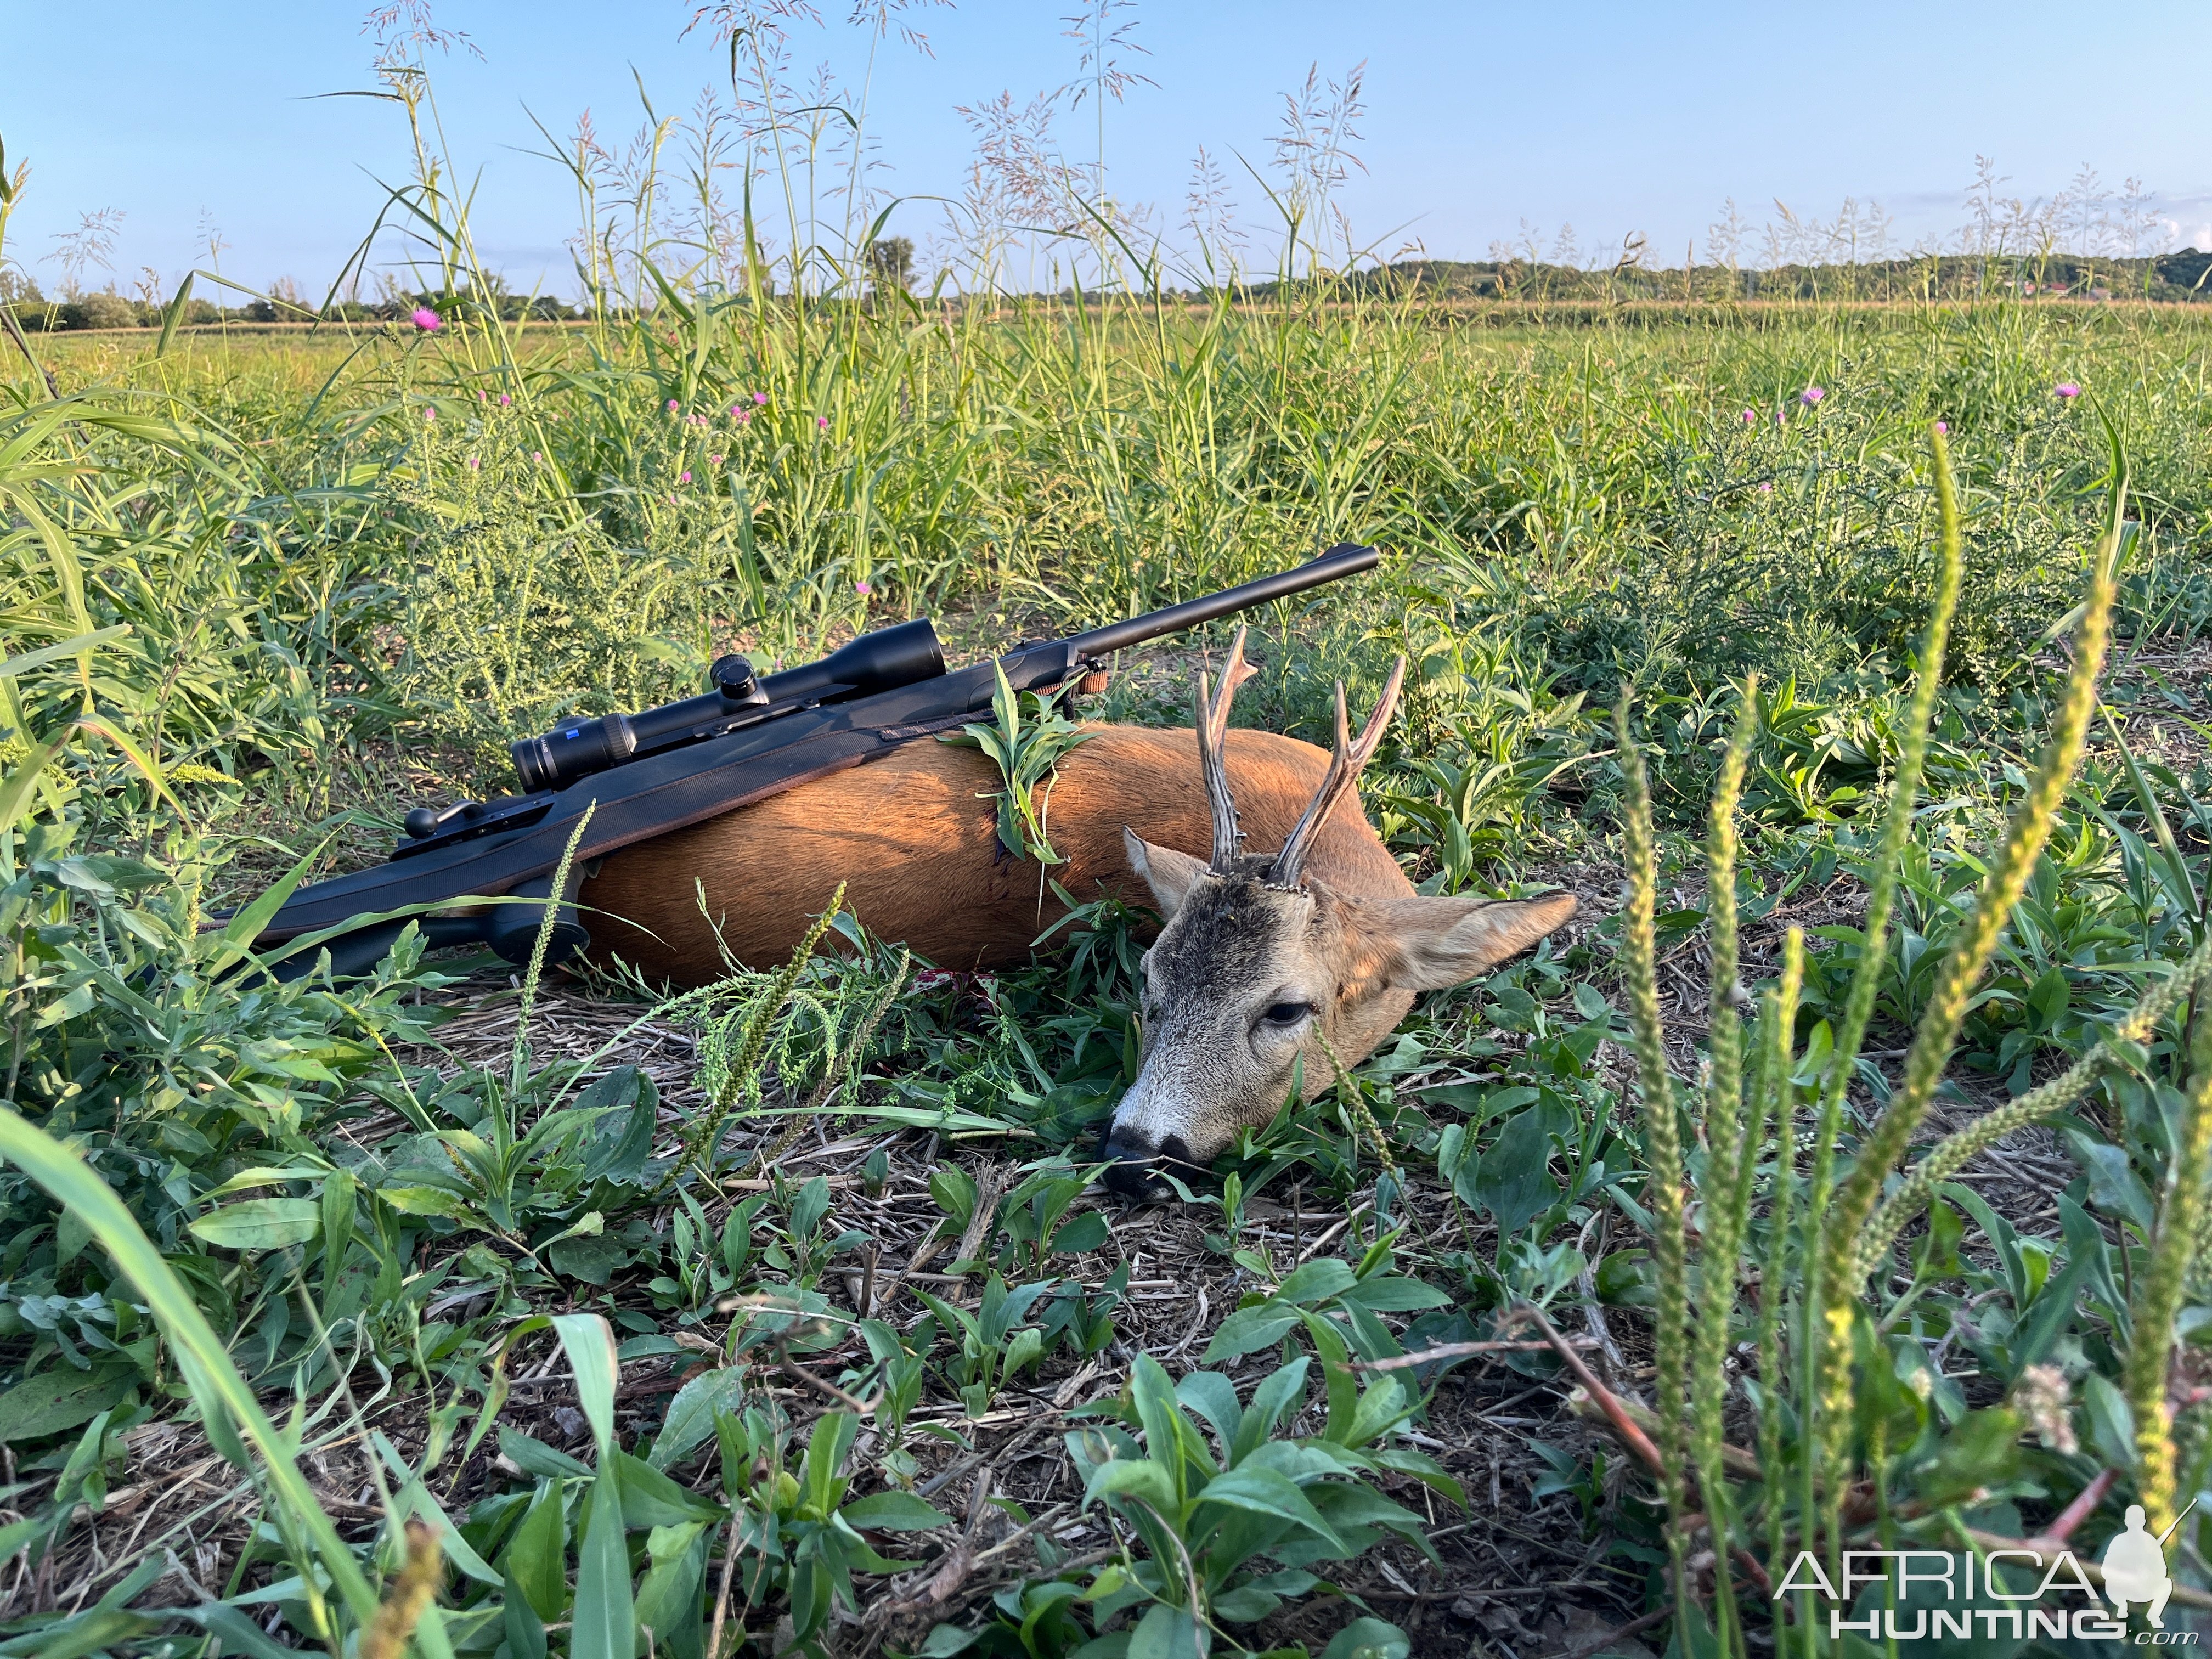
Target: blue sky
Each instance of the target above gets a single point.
(1611, 117)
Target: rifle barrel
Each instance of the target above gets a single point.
(1344, 559)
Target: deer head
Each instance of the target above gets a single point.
(1262, 974)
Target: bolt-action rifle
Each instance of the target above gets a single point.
(644, 775)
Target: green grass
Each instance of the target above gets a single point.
(263, 592)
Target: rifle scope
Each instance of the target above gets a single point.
(881, 661)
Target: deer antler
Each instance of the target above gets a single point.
(1212, 722)
(1344, 770)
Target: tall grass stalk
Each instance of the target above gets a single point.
(1815, 1331)
(1841, 1223)
(1663, 1190)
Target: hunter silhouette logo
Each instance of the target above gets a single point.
(2135, 1568)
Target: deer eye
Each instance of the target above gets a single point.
(1286, 1013)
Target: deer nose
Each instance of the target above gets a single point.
(1133, 1163)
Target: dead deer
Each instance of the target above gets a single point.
(1262, 962)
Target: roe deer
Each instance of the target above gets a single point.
(1260, 958)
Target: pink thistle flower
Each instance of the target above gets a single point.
(1766, 490)
(480, 396)
(714, 460)
(2067, 392)
(427, 320)
(474, 464)
(430, 412)
(505, 401)
(673, 406)
(760, 397)
(822, 422)
(862, 589)
(1943, 427)
(1750, 418)
(1811, 395)
(744, 417)
(537, 455)
(683, 477)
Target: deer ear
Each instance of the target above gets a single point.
(1435, 943)
(1171, 874)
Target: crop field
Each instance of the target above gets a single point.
(1836, 1180)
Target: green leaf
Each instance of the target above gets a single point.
(1263, 1492)
(591, 1349)
(261, 1224)
(1396, 1293)
(1368, 1638)
(2111, 1422)
(1167, 1632)
(650, 1499)
(1246, 1604)
(521, 1624)
(1134, 1477)
(690, 1419)
(1317, 1282)
(424, 1200)
(893, 1511)
(603, 1624)
(57, 1398)
(593, 1257)
(535, 1457)
(619, 1143)
(536, 1559)
(1086, 1232)
(1515, 1181)
(1250, 1330)
(826, 1447)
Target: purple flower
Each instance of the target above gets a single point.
(1766, 490)
(1943, 426)
(1810, 396)
(537, 455)
(683, 477)
(427, 320)
(822, 422)
(673, 406)
(714, 460)
(862, 589)
(504, 400)
(430, 412)
(2067, 391)
(760, 397)
(474, 464)
(480, 396)
(1750, 416)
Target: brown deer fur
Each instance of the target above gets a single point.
(914, 838)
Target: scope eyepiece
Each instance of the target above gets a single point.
(569, 752)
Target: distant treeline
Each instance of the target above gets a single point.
(2181, 277)
(2171, 277)
(106, 309)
